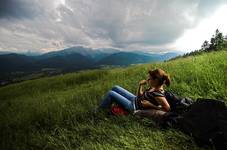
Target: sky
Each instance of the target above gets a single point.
(146, 25)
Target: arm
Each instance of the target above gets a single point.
(140, 88)
(163, 102)
(147, 104)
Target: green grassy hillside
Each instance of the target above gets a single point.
(53, 113)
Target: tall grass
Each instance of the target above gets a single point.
(54, 113)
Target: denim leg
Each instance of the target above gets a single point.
(113, 96)
(124, 92)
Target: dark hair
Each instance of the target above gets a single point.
(161, 75)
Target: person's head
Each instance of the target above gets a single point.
(157, 78)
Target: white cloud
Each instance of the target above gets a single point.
(194, 38)
(128, 24)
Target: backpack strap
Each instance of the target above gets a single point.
(158, 94)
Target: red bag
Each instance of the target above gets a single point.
(118, 110)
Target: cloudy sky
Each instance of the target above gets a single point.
(150, 25)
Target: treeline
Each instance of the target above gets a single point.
(217, 43)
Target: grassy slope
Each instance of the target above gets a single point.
(52, 113)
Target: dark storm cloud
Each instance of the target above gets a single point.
(17, 9)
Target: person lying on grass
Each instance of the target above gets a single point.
(152, 100)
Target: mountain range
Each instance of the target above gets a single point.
(76, 58)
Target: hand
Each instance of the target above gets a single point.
(145, 102)
(143, 82)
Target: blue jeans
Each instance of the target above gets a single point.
(120, 96)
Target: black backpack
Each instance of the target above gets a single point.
(206, 121)
(178, 104)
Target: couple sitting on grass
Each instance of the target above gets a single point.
(150, 102)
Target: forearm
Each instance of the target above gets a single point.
(150, 105)
(157, 107)
(140, 90)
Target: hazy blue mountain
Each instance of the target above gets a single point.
(160, 56)
(31, 53)
(68, 62)
(76, 58)
(95, 54)
(127, 58)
